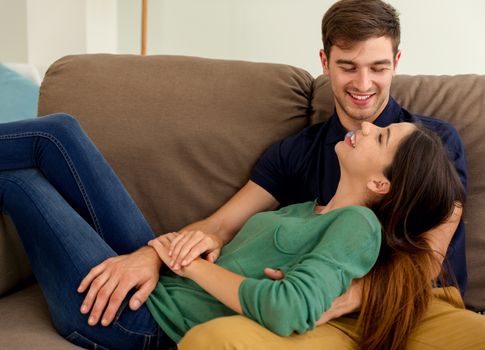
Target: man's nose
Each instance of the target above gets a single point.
(363, 80)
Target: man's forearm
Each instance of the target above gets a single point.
(228, 219)
(439, 239)
(213, 226)
(152, 254)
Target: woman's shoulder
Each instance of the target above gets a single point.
(358, 213)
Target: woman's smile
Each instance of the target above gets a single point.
(350, 138)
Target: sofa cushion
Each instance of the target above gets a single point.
(26, 323)
(460, 100)
(18, 96)
(14, 265)
(182, 133)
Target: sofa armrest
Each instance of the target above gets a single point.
(14, 265)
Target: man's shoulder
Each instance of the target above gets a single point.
(309, 134)
(443, 128)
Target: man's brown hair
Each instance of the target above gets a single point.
(349, 21)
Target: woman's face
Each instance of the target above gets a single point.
(370, 150)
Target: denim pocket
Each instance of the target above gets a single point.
(82, 341)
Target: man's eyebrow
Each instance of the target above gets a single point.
(343, 61)
(378, 62)
(388, 135)
(384, 61)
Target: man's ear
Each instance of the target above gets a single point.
(324, 60)
(379, 186)
(396, 61)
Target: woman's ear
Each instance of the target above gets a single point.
(379, 186)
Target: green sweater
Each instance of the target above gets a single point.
(319, 254)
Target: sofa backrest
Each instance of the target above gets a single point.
(460, 100)
(181, 132)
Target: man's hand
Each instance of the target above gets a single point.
(109, 282)
(186, 246)
(274, 274)
(348, 302)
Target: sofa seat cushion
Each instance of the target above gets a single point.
(25, 323)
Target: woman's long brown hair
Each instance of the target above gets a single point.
(424, 191)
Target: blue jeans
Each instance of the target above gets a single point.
(72, 213)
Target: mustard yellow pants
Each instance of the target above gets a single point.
(446, 325)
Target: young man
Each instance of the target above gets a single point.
(360, 57)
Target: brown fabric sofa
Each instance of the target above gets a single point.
(183, 134)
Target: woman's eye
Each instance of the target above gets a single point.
(380, 138)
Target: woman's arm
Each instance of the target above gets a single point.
(206, 274)
(347, 250)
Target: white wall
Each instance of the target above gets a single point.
(13, 28)
(438, 36)
(282, 31)
(442, 36)
(55, 28)
(101, 26)
(41, 31)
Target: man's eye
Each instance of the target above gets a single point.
(348, 69)
(378, 70)
(380, 138)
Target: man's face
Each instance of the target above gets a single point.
(361, 79)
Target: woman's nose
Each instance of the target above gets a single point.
(366, 128)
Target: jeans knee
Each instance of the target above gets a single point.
(14, 184)
(61, 126)
(61, 121)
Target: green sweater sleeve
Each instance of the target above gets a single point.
(348, 249)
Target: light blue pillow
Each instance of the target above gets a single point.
(18, 96)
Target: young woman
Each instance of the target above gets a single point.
(72, 213)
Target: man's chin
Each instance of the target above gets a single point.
(363, 117)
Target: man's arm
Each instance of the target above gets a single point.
(209, 235)
(439, 238)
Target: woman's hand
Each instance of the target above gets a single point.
(186, 246)
(161, 245)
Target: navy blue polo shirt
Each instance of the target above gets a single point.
(304, 167)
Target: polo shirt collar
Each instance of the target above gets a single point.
(391, 114)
